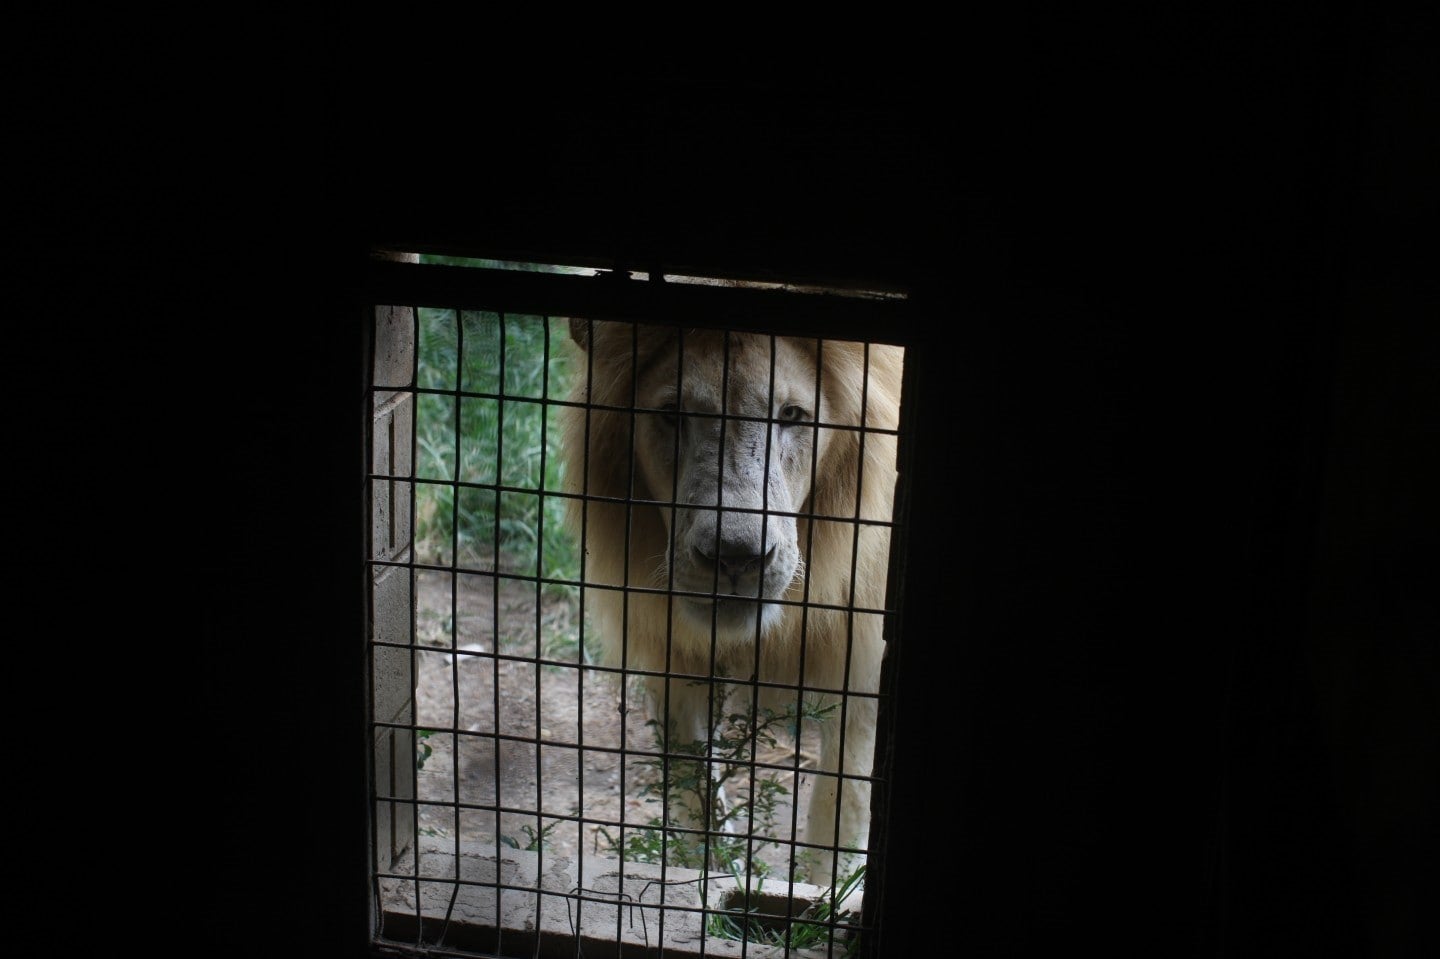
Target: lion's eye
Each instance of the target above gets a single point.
(793, 414)
(670, 413)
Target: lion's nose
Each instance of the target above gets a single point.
(733, 559)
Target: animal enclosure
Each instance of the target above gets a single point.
(630, 602)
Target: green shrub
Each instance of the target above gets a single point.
(503, 437)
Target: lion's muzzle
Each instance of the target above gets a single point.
(733, 539)
(732, 556)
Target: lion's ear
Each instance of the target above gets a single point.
(580, 332)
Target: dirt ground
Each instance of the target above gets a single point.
(495, 693)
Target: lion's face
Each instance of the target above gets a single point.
(736, 480)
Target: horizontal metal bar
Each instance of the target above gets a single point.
(624, 751)
(614, 296)
(626, 588)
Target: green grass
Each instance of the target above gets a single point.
(812, 928)
(508, 438)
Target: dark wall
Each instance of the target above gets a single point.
(1168, 684)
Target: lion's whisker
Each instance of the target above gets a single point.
(660, 575)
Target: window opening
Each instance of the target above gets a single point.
(628, 599)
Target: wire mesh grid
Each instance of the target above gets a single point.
(628, 599)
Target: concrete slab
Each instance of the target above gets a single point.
(511, 902)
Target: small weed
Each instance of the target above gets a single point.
(422, 748)
(653, 843)
(535, 841)
(812, 927)
(694, 789)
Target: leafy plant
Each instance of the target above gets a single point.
(812, 927)
(693, 785)
(535, 841)
(422, 748)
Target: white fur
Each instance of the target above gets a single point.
(700, 485)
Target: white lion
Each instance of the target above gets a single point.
(758, 541)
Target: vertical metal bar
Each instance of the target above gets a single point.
(495, 620)
(457, 411)
(712, 830)
(580, 673)
(414, 652)
(875, 873)
(849, 633)
(539, 627)
(625, 608)
(678, 434)
(371, 791)
(805, 609)
(770, 428)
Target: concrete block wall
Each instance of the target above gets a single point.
(391, 600)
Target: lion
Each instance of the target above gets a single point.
(743, 546)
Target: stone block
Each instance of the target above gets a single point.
(394, 347)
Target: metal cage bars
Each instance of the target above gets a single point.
(455, 569)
